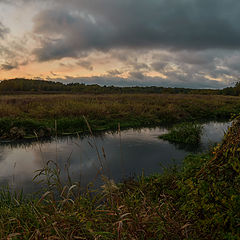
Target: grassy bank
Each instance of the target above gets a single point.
(201, 200)
(31, 115)
(187, 133)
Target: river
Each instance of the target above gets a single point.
(128, 154)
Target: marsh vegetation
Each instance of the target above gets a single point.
(25, 116)
(186, 132)
(199, 200)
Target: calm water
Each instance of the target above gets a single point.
(130, 154)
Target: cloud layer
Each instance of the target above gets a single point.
(3, 31)
(80, 26)
(170, 42)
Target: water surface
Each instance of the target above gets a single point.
(122, 155)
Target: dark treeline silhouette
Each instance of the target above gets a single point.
(232, 91)
(41, 86)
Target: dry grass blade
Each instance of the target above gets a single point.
(13, 236)
(95, 145)
(44, 196)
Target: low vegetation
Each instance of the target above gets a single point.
(201, 200)
(24, 116)
(188, 133)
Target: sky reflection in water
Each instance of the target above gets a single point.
(136, 151)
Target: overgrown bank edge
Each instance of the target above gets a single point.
(187, 133)
(28, 116)
(199, 201)
(16, 129)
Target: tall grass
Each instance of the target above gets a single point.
(188, 133)
(199, 201)
(21, 115)
(169, 107)
(174, 205)
(132, 210)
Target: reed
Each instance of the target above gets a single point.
(199, 200)
(187, 133)
(21, 116)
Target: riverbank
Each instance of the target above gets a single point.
(200, 200)
(36, 116)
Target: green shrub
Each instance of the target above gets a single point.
(188, 133)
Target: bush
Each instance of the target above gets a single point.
(188, 133)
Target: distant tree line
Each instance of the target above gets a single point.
(233, 91)
(28, 85)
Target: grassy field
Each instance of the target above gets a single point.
(201, 200)
(31, 115)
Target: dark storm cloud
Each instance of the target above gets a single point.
(232, 62)
(12, 54)
(9, 66)
(13, 64)
(159, 66)
(195, 58)
(78, 26)
(114, 72)
(137, 75)
(85, 64)
(3, 31)
(69, 34)
(141, 66)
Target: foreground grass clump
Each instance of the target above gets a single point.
(199, 201)
(210, 197)
(188, 133)
(27, 115)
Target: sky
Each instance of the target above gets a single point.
(170, 43)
